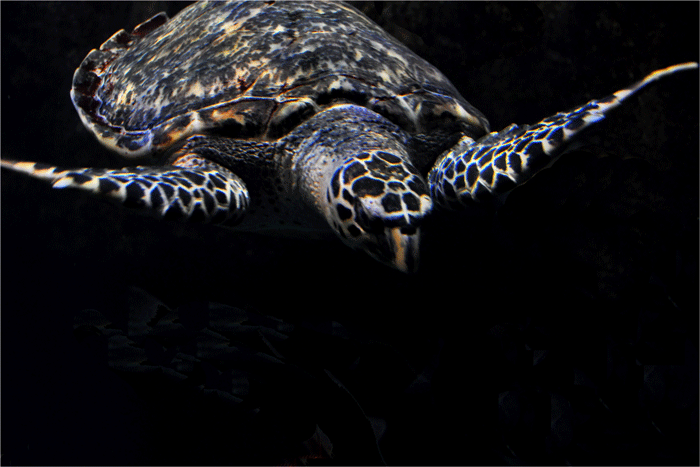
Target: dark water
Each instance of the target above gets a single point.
(564, 330)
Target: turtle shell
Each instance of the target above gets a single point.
(256, 70)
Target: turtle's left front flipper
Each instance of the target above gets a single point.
(487, 170)
(205, 192)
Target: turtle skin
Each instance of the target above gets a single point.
(303, 116)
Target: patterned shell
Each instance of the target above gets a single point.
(256, 70)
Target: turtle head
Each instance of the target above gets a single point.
(376, 203)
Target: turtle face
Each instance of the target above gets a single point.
(376, 203)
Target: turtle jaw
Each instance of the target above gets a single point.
(398, 249)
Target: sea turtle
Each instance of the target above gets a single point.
(283, 115)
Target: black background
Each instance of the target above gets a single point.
(565, 329)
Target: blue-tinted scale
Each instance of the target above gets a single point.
(417, 186)
(514, 162)
(503, 183)
(353, 171)
(168, 189)
(472, 174)
(480, 152)
(449, 190)
(501, 149)
(384, 170)
(368, 186)
(556, 137)
(574, 124)
(195, 177)
(107, 185)
(500, 163)
(521, 145)
(388, 157)
(487, 174)
(156, 198)
(184, 196)
(183, 181)
(391, 202)
(134, 195)
(486, 158)
(542, 134)
(536, 151)
(411, 201)
(208, 201)
(79, 178)
(335, 184)
(480, 193)
(220, 196)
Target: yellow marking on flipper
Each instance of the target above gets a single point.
(93, 184)
(59, 178)
(49, 173)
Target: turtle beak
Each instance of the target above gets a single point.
(398, 249)
(405, 248)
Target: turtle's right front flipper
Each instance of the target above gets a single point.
(190, 190)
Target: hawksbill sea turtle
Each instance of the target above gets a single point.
(303, 116)
(65, 281)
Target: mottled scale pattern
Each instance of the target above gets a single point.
(195, 191)
(395, 190)
(256, 69)
(490, 168)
